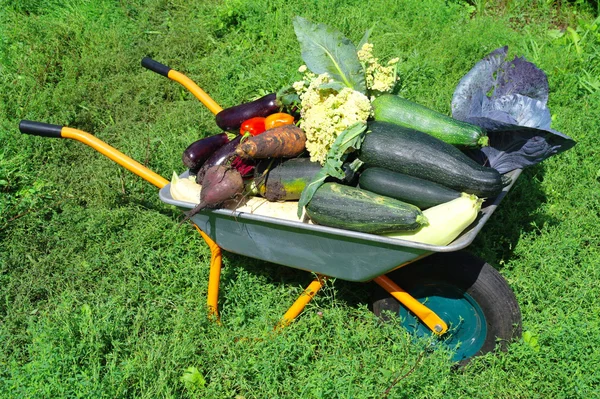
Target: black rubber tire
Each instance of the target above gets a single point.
(471, 275)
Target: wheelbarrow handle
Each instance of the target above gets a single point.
(40, 129)
(57, 131)
(186, 82)
(156, 66)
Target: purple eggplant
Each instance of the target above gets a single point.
(199, 151)
(222, 155)
(233, 117)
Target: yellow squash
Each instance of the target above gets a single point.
(446, 221)
(186, 190)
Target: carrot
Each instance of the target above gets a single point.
(285, 141)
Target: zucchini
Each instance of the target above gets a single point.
(400, 111)
(277, 179)
(418, 154)
(446, 221)
(352, 208)
(421, 193)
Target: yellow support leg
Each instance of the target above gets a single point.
(44, 129)
(214, 277)
(426, 315)
(301, 302)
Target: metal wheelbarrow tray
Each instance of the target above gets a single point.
(344, 254)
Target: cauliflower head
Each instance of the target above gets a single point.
(327, 112)
(378, 78)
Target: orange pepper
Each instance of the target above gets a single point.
(278, 119)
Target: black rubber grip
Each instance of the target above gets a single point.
(40, 129)
(155, 66)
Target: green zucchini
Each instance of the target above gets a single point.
(284, 179)
(400, 111)
(421, 193)
(352, 208)
(418, 154)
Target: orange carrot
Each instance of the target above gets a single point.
(285, 141)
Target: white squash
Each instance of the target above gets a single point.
(446, 221)
(186, 190)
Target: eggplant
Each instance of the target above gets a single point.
(224, 154)
(233, 117)
(199, 151)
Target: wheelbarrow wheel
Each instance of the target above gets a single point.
(467, 293)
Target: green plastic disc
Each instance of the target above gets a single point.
(466, 322)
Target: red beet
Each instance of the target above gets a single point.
(244, 166)
(222, 156)
(220, 183)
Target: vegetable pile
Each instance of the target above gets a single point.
(339, 149)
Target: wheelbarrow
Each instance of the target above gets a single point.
(445, 291)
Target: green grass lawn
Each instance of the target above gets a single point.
(102, 291)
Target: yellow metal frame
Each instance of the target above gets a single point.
(115, 155)
(434, 322)
(214, 276)
(426, 315)
(195, 90)
(307, 295)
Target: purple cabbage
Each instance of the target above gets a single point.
(508, 99)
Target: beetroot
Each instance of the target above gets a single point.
(222, 156)
(219, 184)
(244, 166)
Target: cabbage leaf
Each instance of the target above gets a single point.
(508, 99)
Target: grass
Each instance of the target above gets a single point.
(102, 292)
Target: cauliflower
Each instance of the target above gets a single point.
(327, 108)
(326, 112)
(378, 78)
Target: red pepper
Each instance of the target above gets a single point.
(253, 126)
(278, 119)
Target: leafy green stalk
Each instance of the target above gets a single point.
(325, 50)
(288, 97)
(348, 141)
(365, 38)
